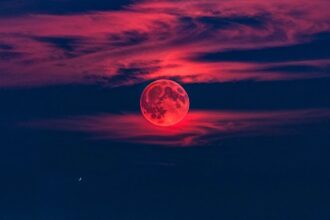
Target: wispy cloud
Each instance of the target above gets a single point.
(198, 128)
(191, 41)
(10, 8)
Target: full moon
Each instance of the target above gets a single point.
(164, 102)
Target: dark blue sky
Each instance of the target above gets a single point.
(255, 144)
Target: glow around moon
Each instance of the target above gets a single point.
(164, 103)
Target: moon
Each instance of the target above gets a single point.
(164, 103)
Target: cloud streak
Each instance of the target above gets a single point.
(198, 128)
(190, 41)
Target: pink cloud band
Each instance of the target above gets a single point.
(198, 128)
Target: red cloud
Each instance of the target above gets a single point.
(198, 128)
(154, 39)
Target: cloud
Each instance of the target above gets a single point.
(64, 43)
(131, 74)
(296, 52)
(198, 128)
(297, 68)
(192, 41)
(220, 22)
(23, 7)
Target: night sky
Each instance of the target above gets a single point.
(254, 145)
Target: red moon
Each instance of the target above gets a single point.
(164, 102)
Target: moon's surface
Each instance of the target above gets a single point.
(164, 102)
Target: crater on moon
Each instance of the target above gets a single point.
(164, 102)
